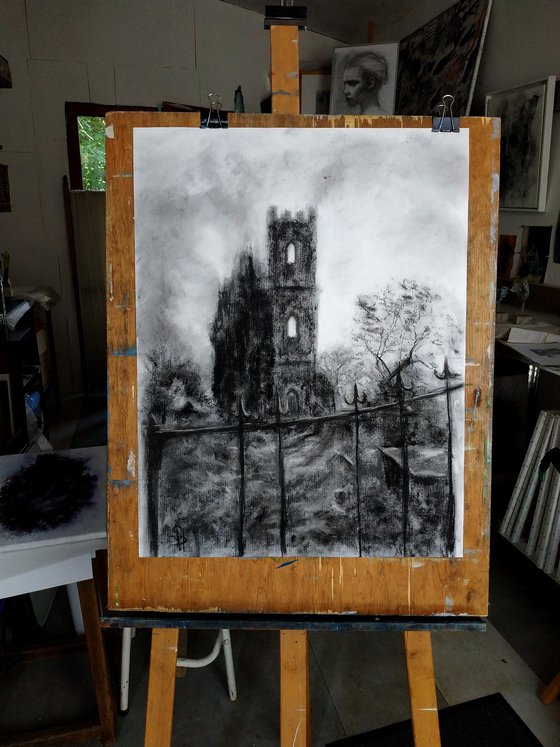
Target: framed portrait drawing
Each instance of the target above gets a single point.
(315, 89)
(526, 114)
(364, 79)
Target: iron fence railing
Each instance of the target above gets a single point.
(157, 436)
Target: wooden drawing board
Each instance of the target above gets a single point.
(381, 586)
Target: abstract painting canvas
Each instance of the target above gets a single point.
(301, 303)
(52, 497)
(442, 57)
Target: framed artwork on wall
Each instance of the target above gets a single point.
(315, 91)
(364, 79)
(526, 114)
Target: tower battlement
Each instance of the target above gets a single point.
(292, 248)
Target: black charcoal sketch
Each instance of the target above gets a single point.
(301, 302)
(364, 79)
(52, 497)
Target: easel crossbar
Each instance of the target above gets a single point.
(216, 621)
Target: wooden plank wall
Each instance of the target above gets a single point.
(395, 586)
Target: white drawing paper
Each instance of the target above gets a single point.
(301, 303)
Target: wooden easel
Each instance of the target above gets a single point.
(370, 586)
(295, 728)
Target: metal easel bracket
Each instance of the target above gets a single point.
(285, 15)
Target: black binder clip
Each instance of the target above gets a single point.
(286, 15)
(216, 118)
(444, 121)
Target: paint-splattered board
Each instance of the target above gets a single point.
(392, 586)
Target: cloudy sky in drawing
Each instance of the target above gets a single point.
(391, 203)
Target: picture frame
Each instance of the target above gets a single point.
(526, 114)
(315, 89)
(373, 87)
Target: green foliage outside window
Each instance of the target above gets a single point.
(91, 134)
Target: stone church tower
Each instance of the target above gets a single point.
(292, 266)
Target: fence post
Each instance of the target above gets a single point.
(281, 480)
(403, 417)
(450, 518)
(153, 465)
(355, 402)
(241, 448)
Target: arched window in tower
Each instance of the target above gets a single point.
(293, 402)
(291, 254)
(292, 327)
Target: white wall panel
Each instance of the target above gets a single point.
(127, 32)
(101, 81)
(315, 48)
(52, 83)
(22, 228)
(16, 121)
(13, 40)
(150, 85)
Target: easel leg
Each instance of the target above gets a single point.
(422, 688)
(98, 661)
(551, 691)
(294, 689)
(161, 687)
(284, 69)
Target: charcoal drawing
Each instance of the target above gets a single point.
(54, 496)
(300, 341)
(364, 79)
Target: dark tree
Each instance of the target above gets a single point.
(401, 328)
(174, 390)
(242, 336)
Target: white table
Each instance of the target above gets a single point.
(26, 571)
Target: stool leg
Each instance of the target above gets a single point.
(161, 687)
(125, 668)
(75, 609)
(230, 671)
